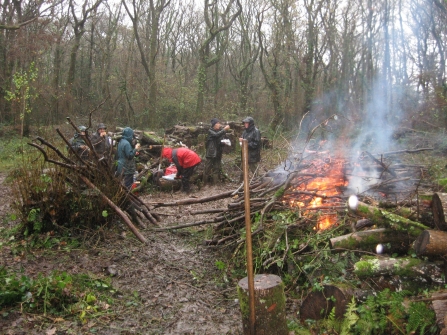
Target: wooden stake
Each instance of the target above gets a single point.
(161, 153)
(248, 244)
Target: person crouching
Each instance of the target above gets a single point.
(186, 162)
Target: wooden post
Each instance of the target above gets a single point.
(248, 245)
(270, 304)
(161, 153)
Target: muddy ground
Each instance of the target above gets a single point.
(170, 286)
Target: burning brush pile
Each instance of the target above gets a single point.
(321, 184)
(314, 219)
(315, 189)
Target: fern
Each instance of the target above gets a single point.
(350, 318)
(331, 323)
(420, 317)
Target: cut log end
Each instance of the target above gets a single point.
(317, 305)
(269, 305)
(431, 243)
(439, 208)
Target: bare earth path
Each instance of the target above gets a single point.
(170, 286)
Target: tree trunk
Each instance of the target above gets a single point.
(439, 208)
(431, 243)
(408, 267)
(368, 240)
(270, 305)
(317, 305)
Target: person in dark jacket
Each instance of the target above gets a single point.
(126, 166)
(213, 164)
(186, 161)
(253, 137)
(101, 141)
(77, 143)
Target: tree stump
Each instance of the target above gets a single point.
(431, 243)
(317, 305)
(270, 305)
(439, 208)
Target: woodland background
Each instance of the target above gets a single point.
(159, 62)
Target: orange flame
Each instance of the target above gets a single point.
(313, 193)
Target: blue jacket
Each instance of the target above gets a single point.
(126, 153)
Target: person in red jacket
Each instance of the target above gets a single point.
(186, 161)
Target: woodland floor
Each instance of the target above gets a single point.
(170, 286)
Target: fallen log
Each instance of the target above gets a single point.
(439, 208)
(408, 267)
(431, 243)
(383, 218)
(368, 240)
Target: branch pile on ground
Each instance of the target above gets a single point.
(77, 190)
(316, 188)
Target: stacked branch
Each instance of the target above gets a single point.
(315, 186)
(71, 177)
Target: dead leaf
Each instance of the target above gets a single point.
(51, 331)
(271, 308)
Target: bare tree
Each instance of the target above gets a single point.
(243, 52)
(275, 57)
(217, 25)
(79, 29)
(149, 63)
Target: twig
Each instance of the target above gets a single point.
(186, 225)
(191, 201)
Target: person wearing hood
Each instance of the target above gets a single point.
(126, 152)
(101, 142)
(77, 143)
(213, 164)
(253, 137)
(186, 161)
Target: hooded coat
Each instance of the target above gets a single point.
(213, 145)
(186, 158)
(253, 137)
(77, 142)
(101, 144)
(126, 153)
